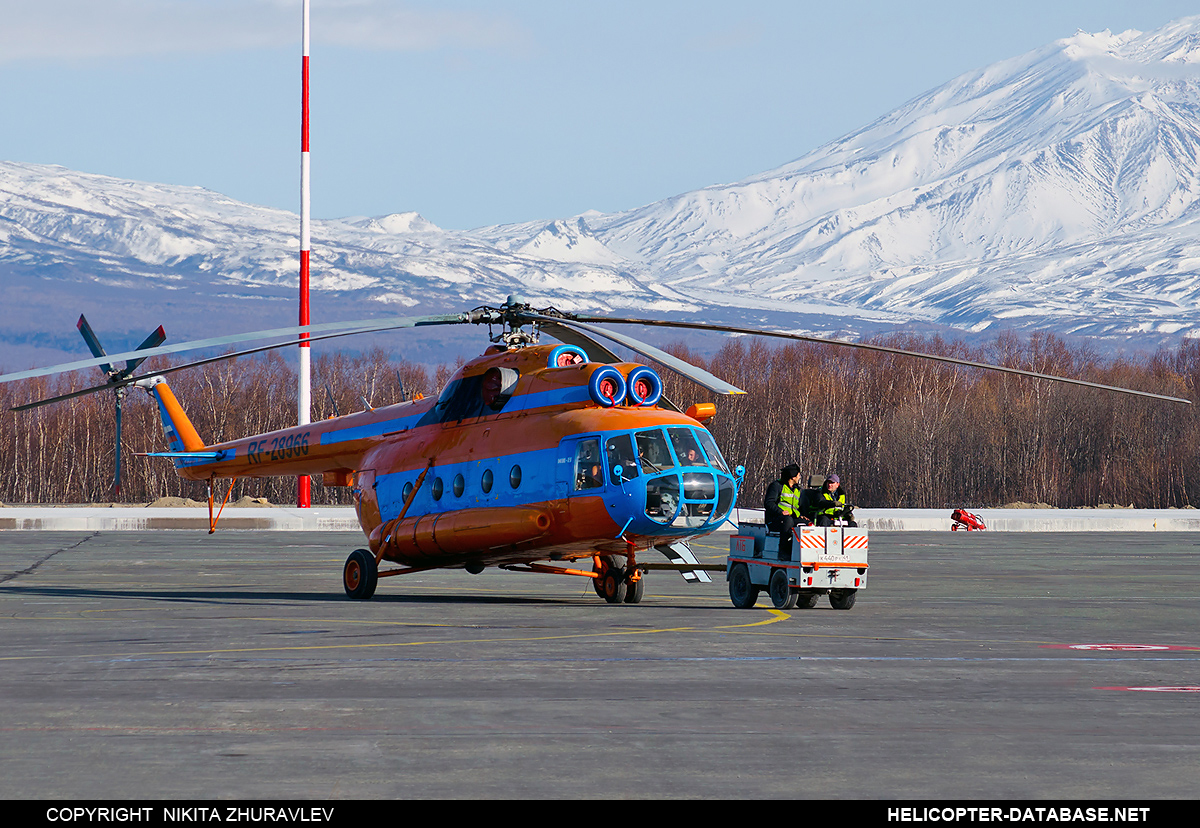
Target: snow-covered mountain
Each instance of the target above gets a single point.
(1056, 191)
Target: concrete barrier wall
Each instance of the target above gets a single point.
(1026, 520)
(343, 519)
(119, 518)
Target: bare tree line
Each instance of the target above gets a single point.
(901, 432)
(64, 453)
(904, 432)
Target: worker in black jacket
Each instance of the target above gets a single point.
(781, 507)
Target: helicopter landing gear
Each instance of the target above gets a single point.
(611, 585)
(615, 583)
(360, 575)
(636, 591)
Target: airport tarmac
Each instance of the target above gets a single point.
(158, 665)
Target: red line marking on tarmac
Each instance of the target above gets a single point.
(1181, 688)
(1137, 648)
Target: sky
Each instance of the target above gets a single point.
(475, 113)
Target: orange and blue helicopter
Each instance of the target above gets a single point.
(532, 457)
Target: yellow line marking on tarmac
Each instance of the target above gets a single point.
(779, 616)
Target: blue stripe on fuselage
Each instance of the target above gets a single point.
(537, 484)
(376, 429)
(522, 402)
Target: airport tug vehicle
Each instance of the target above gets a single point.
(825, 560)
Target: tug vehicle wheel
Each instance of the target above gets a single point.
(841, 599)
(742, 590)
(360, 574)
(807, 600)
(780, 590)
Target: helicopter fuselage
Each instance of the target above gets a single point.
(519, 459)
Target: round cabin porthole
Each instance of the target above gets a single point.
(514, 477)
(437, 488)
(458, 485)
(406, 491)
(486, 482)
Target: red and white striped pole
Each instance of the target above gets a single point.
(304, 393)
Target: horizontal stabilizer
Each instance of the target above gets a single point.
(195, 455)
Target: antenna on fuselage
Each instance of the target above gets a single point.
(332, 402)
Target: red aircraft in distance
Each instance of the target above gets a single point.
(531, 458)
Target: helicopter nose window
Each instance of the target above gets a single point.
(727, 492)
(619, 450)
(686, 447)
(588, 473)
(653, 452)
(662, 498)
(710, 448)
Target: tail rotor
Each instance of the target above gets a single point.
(118, 378)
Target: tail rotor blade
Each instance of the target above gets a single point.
(152, 341)
(89, 336)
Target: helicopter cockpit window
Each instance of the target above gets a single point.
(498, 387)
(653, 452)
(714, 454)
(477, 396)
(619, 450)
(588, 472)
(686, 447)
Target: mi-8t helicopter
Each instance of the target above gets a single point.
(533, 456)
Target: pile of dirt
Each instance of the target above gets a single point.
(257, 502)
(1020, 504)
(175, 503)
(181, 502)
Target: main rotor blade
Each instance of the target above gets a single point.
(703, 326)
(89, 336)
(83, 392)
(126, 381)
(152, 341)
(346, 328)
(595, 351)
(697, 375)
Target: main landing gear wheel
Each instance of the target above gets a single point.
(780, 590)
(635, 591)
(841, 598)
(742, 590)
(360, 574)
(611, 584)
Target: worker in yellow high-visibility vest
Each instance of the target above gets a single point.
(781, 507)
(831, 504)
